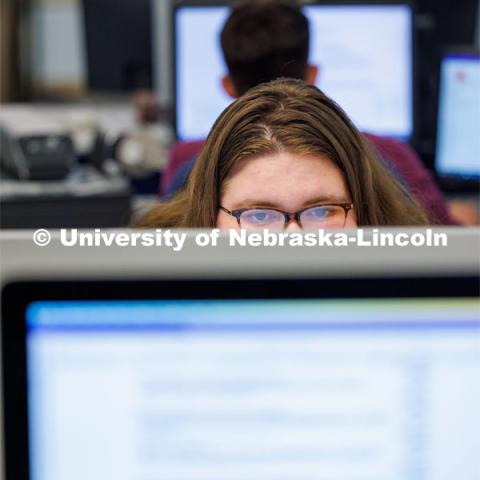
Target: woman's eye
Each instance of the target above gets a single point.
(319, 212)
(260, 217)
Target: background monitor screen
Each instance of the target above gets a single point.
(458, 139)
(118, 44)
(364, 53)
(254, 389)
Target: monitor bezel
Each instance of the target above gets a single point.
(179, 4)
(17, 296)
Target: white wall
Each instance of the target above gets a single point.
(57, 44)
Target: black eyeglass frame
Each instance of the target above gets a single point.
(288, 215)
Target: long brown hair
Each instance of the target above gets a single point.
(287, 115)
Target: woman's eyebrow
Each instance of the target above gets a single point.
(325, 199)
(256, 202)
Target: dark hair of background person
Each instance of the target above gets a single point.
(287, 115)
(264, 40)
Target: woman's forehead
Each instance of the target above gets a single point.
(285, 179)
(284, 162)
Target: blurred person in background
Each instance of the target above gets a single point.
(267, 39)
(285, 156)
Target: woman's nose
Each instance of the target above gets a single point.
(293, 226)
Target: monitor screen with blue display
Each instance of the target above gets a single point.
(254, 389)
(458, 139)
(364, 53)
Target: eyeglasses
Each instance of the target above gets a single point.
(319, 216)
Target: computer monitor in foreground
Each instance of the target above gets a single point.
(364, 53)
(229, 380)
(458, 141)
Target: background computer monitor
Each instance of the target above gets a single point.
(234, 379)
(118, 44)
(458, 139)
(364, 52)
